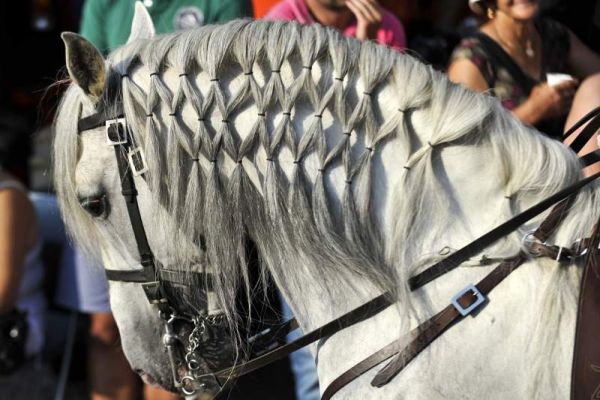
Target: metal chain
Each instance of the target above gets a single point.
(194, 340)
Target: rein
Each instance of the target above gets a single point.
(153, 276)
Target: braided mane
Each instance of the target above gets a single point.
(277, 131)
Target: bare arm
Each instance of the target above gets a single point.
(17, 235)
(463, 71)
(582, 61)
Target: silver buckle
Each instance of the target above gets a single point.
(121, 135)
(527, 242)
(479, 299)
(137, 161)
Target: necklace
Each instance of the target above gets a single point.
(527, 48)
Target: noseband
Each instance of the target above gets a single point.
(267, 345)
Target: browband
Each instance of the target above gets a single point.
(94, 121)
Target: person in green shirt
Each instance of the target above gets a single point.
(107, 23)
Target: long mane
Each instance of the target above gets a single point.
(246, 126)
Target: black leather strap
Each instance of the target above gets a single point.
(134, 276)
(473, 248)
(93, 121)
(592, 114)
(151, 285)
(359, 314)
(586, 133)
(590, 158)
(166, 275)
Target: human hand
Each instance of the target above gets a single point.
(369, 15)
(549, 101)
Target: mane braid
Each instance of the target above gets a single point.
(246, 127)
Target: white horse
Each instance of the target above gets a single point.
(352, 168)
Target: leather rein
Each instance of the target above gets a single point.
(471, 298)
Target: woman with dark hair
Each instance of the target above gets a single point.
(533, 65)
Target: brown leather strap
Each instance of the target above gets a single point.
(352, 317)
(433, 328)
(459, 256)
(421, 336)
(585, 380)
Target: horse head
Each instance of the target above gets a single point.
(161, 344)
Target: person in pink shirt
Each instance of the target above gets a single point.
(362, 19)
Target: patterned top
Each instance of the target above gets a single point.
(506, 78)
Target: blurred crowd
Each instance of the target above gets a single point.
(58, 338)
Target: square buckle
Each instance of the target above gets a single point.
(137, 161)
(116, 131)
(154, 292)
(479, 299)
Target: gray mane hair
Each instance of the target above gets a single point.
(220, 74)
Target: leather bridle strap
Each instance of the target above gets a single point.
(590, 158)
(423, 335)
(93, 121)
(166, 275)
(586, 353)
(455, 259)
(578, 144)
(473, 248)
(585, 136)
(357, 315)
(151, 282)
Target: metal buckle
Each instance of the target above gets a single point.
(137, 161)
(121, 131)
(479, 299)
(578, 247)
(527, 242)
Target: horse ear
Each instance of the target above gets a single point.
(142, 26)
(85, 64)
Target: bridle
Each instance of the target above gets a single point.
(268, 345)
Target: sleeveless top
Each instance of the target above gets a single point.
(31, 296)
(506, 79)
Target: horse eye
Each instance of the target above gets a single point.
(96, 206)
